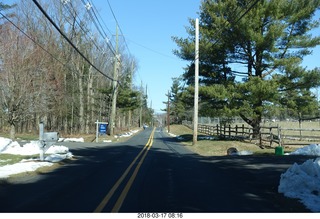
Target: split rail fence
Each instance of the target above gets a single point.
(270, 136)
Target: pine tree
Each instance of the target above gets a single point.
(251, 55)
(178, 109)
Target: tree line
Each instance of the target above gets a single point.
(251, 55)
(44, 79)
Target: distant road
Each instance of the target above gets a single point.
(151, 172)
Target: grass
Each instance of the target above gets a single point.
(9, 159)
(23, 136)
(218, 147)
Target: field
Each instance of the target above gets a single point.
(219, 147)
(305, 132)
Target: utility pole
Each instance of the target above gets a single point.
(168, 112)
(152, 123)
(130, 113)
(115, 87)
(196, 86)
(141, 100)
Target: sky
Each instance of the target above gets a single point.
(146, 31)
(147, 27)
(301, 181)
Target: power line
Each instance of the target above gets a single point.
(88, 9)
(241, 16)
(68, 40)
(97, 12)
(34, 41)
(152, 50)
(114, 16)
(95, 15)
(247, 11)
(75, 19)
(101, 32)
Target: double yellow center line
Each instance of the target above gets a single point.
(126, 189)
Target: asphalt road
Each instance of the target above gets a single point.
(151, 172)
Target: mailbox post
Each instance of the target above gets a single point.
(47, 139)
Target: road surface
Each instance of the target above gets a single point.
(152, 172)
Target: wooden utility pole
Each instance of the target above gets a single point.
(196, 86)
(141, 101)
(130, 112)
(168, 112)
(115, 87)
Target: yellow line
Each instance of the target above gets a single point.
(125, 191)
(106, 199)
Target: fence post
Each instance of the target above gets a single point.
(260, 137)
(243, 130)
(236, 130)
(279, 135)
(250, 134)
(229, 131)
(300, 127)
(271, 136)
(217, 129)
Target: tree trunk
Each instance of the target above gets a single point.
(90, 102)
(254, 123)
(81, 103)
(12, 131)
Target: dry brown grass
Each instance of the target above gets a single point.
(217, 147)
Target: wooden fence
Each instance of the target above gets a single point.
(267, 136)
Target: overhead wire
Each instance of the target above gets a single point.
(94, 17)
(36, 43)
(80, 26)
(237, 20)
(88, 10)
(99, 27)
(93, 9)
(102, 21)
(96, 14)
(103, 33)
(152, 50)
(138, 44)
(116, 20)
(69, 41)
(247, 10)
(117, 23)
(68, 5)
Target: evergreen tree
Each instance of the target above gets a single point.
(177, 108)
(250, 56)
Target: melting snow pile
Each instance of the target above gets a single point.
(71, 140)
(53, 154)
(312, 149)
(303, 181)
